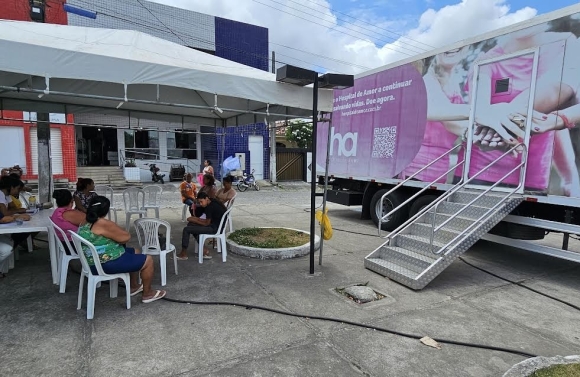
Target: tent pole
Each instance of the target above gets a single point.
(44, 165)
(325, 186)
(313, 171)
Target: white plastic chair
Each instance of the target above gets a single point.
(107, 192)
(152, 199)
(220, 235)
(94, 280)
(229, 205)
(133, 201)
(64, 259)
(24, 196)
(183, 212)
(148, 237)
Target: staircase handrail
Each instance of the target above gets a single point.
(467, 232)
(458, 187)
(443, 197)
(193, 167)
(426, 187)
(381, 218)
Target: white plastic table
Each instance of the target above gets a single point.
(39, 222)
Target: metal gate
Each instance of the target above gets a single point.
(290, 164)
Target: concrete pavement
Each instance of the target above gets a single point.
(43, 333)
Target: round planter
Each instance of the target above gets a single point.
(529, 366)
(283, 253)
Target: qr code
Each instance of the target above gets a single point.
(384, 141)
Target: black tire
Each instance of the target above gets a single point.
(421, 202)
(162, 181)
(242, 187)
(392, 201)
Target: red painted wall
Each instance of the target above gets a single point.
(19, 10)
(10, 118)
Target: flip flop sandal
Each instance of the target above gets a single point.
(158, 296)
(139, 290)
(179, 258)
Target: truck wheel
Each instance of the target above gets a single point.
(420, 203)
(393, 200)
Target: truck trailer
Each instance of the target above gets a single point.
(477, 140)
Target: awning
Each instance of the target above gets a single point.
(69, 69)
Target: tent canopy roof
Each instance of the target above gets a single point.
(71, 69)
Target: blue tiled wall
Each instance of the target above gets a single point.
(208, 145)
(242, 43)
(237, 142)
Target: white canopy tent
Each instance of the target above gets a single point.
(67, 69)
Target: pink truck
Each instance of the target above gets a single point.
(480, 139)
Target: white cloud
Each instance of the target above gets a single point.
(335, 41)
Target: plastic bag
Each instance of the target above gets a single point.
(231, 163)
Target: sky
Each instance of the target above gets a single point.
(353, 36)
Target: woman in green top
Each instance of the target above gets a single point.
(108, 239)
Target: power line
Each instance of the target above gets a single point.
(305, 19)
(161, 22)
(417, 50)
(378, 27)
(143, 23)
(148, 26)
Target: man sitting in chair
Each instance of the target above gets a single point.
(214, 211)
(188, 190)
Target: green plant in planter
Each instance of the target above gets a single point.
(130, 163)
(269, 238)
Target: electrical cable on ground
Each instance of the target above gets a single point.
(356, 324)
(520, 285)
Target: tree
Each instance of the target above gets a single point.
(299, 132)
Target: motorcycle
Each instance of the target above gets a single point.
(248, 181)
(155, 176)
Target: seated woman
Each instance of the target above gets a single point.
(84, 194)
(209, 189)
(64, 216)
(8, 187)
(114, 257)
(226, 193)
(6, 247)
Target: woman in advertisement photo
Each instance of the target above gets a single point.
(443, 88)
(515, 101)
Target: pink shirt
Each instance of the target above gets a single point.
(519, 71)
(436, 141)
(63, 224)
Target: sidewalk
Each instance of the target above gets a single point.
(44, 334)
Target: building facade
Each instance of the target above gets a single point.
(95, 140)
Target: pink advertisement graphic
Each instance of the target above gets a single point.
(375, 124)
(395, 122)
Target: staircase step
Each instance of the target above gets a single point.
(473, 211)
(387, 268)
(443, 235)
(409, 259)
(488, 200)
(458, 223)
(417, 243)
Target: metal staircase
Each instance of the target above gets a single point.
(421, 248)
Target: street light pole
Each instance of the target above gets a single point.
(313, 171)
